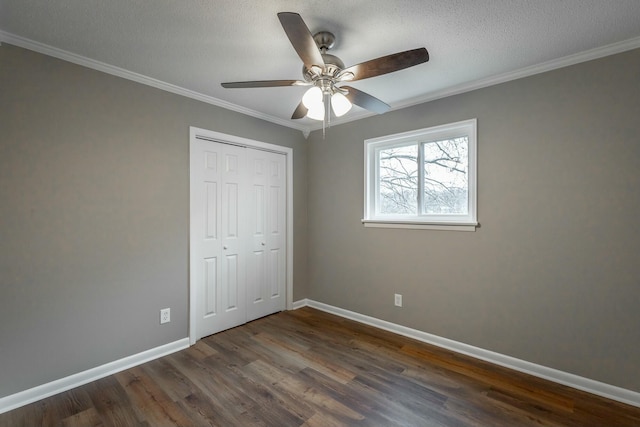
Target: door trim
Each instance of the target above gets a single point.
(204, 134)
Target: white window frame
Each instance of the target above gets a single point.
(372, 147)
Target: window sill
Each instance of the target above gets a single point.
(377, 223)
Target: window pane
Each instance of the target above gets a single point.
(398, 180)
(445, 176)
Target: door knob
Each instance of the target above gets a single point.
(262, 243)
(224, 247)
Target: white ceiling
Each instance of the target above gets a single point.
(192, 46)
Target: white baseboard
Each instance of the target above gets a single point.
(299, 304)
(581, 383)
(63, 384)
(585, 384)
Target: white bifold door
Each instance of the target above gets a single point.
(238, 234)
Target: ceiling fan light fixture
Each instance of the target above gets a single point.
(316, 111)
(340, 104)
(312, 97)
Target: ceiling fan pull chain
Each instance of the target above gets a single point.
(327, 108)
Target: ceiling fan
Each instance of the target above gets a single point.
(323, 72)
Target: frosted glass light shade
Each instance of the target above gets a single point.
(316, 112)
(312, 97)
(340, 104)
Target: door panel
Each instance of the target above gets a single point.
(231, 286)
(256, 274)
(210, 286)
(275, 269)
(211, 210)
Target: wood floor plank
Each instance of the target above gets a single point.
(308, 358)
(310, 368)
(112, 403)
(269, 375)
(152, 403)
(228, 408)
(87, 418)
(380, 409)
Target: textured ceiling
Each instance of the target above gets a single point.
(195, 45)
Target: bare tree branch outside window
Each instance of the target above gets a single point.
(399, 180)
(445, 178)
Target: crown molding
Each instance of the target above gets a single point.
(554, 64)
(566, 61)
(48, 50)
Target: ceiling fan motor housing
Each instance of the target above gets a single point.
(332, 64)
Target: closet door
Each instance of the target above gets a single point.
(266, 264)
(238, 234)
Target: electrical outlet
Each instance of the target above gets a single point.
(398, 300)
(165, 315)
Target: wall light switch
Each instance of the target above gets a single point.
(398, 300)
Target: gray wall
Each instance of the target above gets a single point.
(94, 214)
(552, 276)
(94, 220)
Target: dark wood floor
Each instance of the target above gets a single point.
(309, 368)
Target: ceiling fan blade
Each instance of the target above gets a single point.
(264, 83)
(386, 64)
(364, 100)
(301, 39)
(300, 111)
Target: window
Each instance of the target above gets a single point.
(422, 179)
